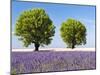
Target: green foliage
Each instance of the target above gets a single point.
(13, 71)
(34, 26)
(73, 33)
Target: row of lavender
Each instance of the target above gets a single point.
(46, 61)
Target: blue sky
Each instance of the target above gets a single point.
(58, 13)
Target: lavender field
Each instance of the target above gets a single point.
(50, 61)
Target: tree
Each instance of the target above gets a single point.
(35, 26)
(73, 32)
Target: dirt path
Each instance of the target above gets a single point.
(58, 49)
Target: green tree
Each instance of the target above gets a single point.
(35, 26)
(73, 33)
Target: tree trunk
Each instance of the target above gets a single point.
(73, 43)
(73, 46)
(36, 46)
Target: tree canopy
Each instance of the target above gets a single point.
(73, 33)
(35, 26)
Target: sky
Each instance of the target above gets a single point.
(58, 13)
